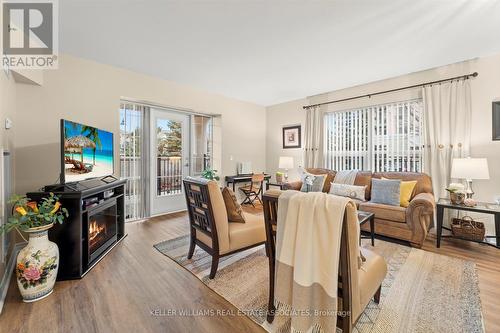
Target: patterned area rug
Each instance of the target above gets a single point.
(423, 291)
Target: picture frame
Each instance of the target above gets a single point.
(292, 137)
(496, 121)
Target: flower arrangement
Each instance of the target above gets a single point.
(210, 174)
(30, 214)
(279, 176)
(456, 188)
(457, 193)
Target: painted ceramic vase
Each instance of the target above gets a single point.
(37, 265)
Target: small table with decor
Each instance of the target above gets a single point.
(364, 217)
(481, 207)
(281, 185)
(243, 179)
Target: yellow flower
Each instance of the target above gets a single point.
(21, 210)
(20, 266)
(56, 207)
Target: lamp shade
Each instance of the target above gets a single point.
(286, 162)
(470, 168)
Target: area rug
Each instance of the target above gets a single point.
(423, 291)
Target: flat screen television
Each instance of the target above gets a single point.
(87, 152)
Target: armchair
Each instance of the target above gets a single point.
(209, 225)
(358, 283)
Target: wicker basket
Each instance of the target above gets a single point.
(467, 228)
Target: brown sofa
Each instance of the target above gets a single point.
(409, 224)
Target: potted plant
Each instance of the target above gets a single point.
(457, 194)
(210, 174)
(37, 262)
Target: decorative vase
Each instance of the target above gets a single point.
(37, 265)
(457, 198)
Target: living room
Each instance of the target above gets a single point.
(176, 148)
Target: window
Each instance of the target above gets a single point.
(202, 143)
(380, 138)
(131, 159)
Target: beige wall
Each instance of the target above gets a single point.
(485, 88)
(89, 92)
(278, 116)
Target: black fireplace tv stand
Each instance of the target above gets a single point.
(96, 224)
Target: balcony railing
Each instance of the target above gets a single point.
(168, 175)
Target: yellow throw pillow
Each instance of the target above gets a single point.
(406, 190)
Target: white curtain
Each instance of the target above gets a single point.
(447, 119)
(313, 143)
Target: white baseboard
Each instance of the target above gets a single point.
(4, 284)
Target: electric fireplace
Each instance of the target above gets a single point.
(94, 226)
(101, 229)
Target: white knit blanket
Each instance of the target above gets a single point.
(307, 259)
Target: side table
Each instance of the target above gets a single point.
(481, 207)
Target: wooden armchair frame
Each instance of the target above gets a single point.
(201, 219)
(344, 322)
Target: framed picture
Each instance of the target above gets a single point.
(496, 121)
(292, 137)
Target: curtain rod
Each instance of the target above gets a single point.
(465, 77)
(168, 107)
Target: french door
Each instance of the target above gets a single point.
(169, 160)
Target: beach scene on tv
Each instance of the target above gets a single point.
(88, 152)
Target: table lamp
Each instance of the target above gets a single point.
(286, 162)
(469, 169)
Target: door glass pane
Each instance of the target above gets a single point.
(202, 144)
(168, 157)
(131, 141)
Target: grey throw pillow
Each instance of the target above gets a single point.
(312, 183)
(386, 191)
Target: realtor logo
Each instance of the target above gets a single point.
(29, 34)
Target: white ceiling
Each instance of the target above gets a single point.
(273, 51)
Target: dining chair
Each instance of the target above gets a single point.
(253, 191)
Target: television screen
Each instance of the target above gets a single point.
(87, 152)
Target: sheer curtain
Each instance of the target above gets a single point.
(313, 152)
(447, 119)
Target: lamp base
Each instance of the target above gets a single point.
(469, 192)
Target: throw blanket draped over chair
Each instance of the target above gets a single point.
(307, 259)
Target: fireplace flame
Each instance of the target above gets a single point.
(95, 229)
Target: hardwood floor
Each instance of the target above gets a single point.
(122, 292)
(135, 286)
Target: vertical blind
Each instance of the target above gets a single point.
(379, 138)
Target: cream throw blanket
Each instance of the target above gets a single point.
(307, 259)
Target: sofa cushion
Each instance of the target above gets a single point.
(351, 191)
(364, 178)
(406, 192)
(312, 183)
(386, 191)
(371, 275)
(424, 182)
(246, 234)
(385, 212)
(330, 176)
(233, 208)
